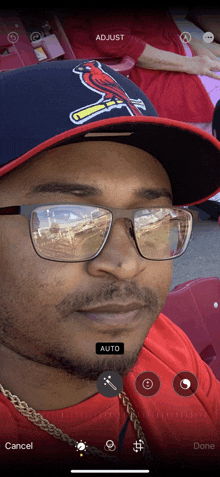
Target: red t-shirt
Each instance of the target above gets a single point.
(171, 423)
(178, 96)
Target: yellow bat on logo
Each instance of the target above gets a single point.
(83, 114)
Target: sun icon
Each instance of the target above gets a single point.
(81, 446)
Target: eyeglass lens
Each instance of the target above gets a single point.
(72, 233)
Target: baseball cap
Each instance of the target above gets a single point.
(50, 104)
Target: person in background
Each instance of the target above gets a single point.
(196, 24)
(165, 73)
(181, 80)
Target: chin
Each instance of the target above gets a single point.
(90, 369)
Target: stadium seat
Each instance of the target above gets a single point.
(18, 54)
(194, 306)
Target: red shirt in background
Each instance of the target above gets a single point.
(178, 96)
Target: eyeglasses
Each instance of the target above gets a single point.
(76, 232)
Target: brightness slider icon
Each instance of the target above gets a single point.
(81, 446)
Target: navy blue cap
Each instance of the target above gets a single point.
(51, 104)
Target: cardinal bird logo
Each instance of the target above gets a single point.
(112, 94)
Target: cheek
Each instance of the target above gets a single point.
(15, 237)
(18, 258)
(28, 278)
(158, 276)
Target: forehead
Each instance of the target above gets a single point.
(94, 162)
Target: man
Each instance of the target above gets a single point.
(92, 188)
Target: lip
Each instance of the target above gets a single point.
(113, 316)
(113, 309)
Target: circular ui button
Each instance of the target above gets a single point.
(208, 37)
(185, 37)
(147, 383)
(110, 384)
(185, 383)
(13, 37)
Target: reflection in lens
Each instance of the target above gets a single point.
(162, 233)
(69, 233)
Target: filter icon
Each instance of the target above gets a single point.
(185, 383)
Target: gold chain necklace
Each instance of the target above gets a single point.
(46, 426)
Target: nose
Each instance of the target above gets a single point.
(119, 257)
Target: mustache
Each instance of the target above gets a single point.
(107, 294)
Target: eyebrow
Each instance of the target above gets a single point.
(86, 190)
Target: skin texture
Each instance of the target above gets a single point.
(204, 63)
(47, 351)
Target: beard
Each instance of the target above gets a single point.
(91, 369)
(60, 355)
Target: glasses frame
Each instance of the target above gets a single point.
(27, 210)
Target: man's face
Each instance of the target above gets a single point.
(42, 301)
